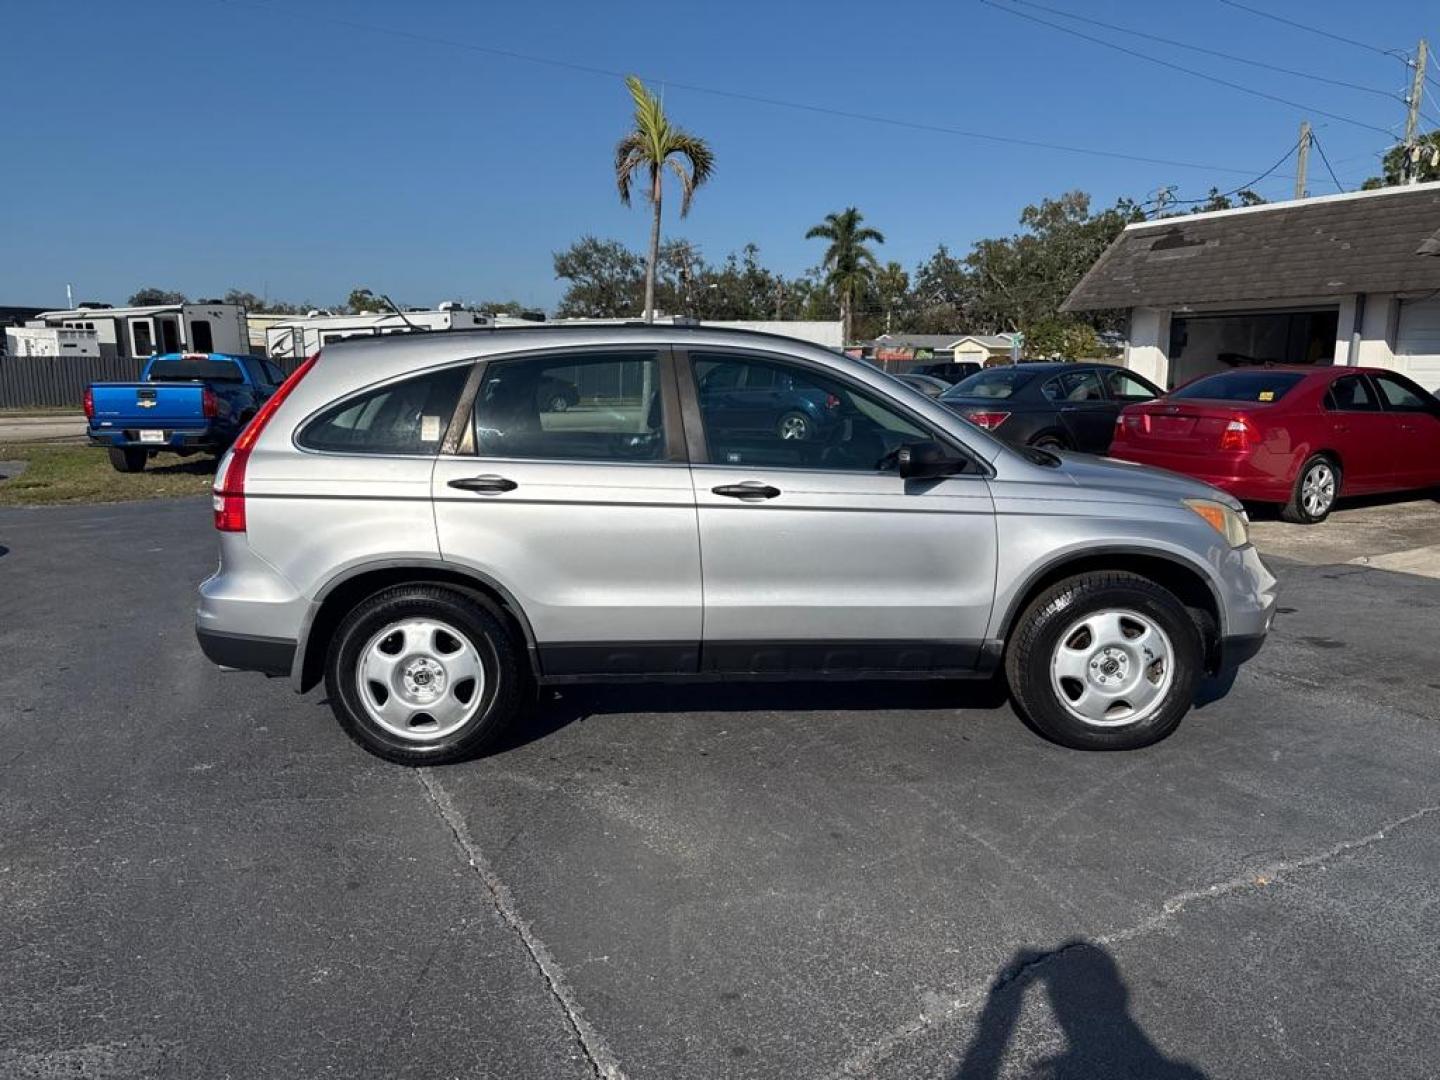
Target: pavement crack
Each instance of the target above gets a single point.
(602, 1061)
(936, 1009)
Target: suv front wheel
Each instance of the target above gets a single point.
(423, 675)
(1105, 661)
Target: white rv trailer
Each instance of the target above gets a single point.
(304, 335)
(137, 332)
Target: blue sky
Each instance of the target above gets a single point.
(302, 147)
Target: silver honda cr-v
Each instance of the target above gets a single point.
(434, 524)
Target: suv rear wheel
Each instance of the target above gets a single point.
(423, 675)
(1105, 661)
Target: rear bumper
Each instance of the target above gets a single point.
(243, 652)
(1237, 476)
(1237, 649)
(174, 438)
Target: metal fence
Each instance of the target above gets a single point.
(29, 381)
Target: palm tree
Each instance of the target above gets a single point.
(849, 264)
(653, 145)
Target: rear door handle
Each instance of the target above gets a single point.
(489, 484)
(750, 489)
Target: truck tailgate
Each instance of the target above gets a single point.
(151, 405)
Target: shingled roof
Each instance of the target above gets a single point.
(1370, 241)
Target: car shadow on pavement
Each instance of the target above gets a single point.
(562, 706)
(199, 465)
(1271, 511)
(1091, 1006)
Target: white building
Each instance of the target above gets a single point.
(298, 336)
(1342, 279)
(138, 332)
(50, 341)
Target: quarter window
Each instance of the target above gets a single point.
(406, 417)
(762, 413)
(602, 407)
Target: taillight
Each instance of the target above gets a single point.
(1236, 436)
(228, 494)
(209, 404)
(987, 420)
(89, 404)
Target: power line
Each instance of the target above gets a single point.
(1316, 30)
(1211, 52)
(1243, 187)
(1315, 142)
(1189, 71)
(779, 103)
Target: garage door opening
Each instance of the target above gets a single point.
(1203, 344)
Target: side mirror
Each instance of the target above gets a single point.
(926, 460)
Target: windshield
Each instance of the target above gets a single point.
(206, 368)
(994, 383)
(1263, 386)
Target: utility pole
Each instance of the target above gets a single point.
(1410, 164)
(1304, 162)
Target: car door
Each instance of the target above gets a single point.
(1416, 415)
(816, 556)
(1086, 413)
(585, 516)
(1356, 428)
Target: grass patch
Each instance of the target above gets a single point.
(82, 474)
(41, 410)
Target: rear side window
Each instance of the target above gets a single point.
(1263, 386)
(571, 407)
(1351, 394)
(405, 417)
(1074, 386)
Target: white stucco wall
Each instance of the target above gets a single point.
(1146, 354)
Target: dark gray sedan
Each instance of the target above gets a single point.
(1055, 406)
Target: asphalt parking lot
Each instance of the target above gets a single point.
(201, 876)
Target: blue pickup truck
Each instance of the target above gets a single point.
(186, 403)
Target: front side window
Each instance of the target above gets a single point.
(406, 417)
(574, 407)
(1126, 387)
(1402, 395)
(764, 413)
(1351, 394)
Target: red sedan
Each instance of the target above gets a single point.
(1291, 435)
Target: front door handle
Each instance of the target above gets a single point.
(750, 489)
(488, 484)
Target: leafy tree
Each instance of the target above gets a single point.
(361, 299)
(943, 295)
(652, 146)
(606, 279)
(500, 307)
(1216, 201)
(1392, 165)
(1064, 338)
(150, 297)
(892, 291)
(252, 303)
(849, 265)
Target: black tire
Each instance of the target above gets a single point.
(1037, 636)
(1050, 441)
(795, 427)
(127, 459)
(1295, 510)
(501, 657)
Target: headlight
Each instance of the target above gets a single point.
(1231, 524)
